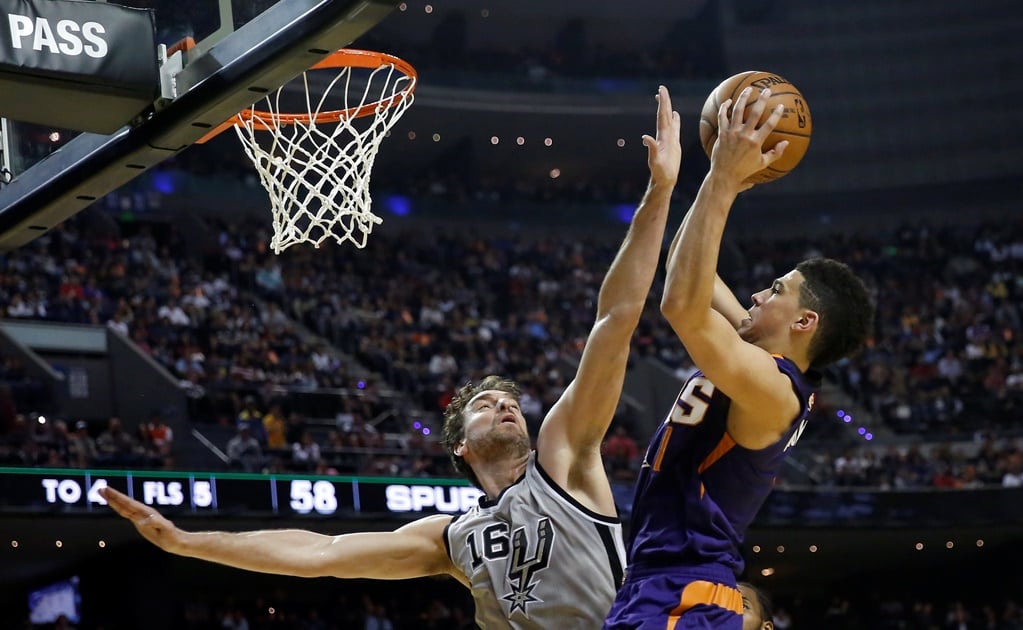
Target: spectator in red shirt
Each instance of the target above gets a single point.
(620, 454)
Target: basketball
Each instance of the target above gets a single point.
(795, 124)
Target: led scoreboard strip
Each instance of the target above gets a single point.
(234, 494)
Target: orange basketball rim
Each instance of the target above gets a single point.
(343, 58)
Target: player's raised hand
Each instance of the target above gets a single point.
(153, 526)
(737, 152)
(664, 152)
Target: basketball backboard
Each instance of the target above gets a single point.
(236, 51)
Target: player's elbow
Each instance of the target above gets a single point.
(683, 317)
(673, 308)
(621, 316)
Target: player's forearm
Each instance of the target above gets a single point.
(724, 300)
(628, 280)
(301, 553)
(691, 278)
(284, 552)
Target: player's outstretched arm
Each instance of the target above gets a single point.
(415, 550)
(569, 441)
(692, 287)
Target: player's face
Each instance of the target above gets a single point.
(752, 615)
(494, 424)
(774, 310)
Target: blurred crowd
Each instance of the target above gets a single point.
(318, 360)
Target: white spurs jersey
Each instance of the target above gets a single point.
(536, 558)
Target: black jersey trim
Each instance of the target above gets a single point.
(608, 537)
(612, 520)
(484, 502)
(447, 542)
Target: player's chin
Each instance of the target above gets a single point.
(517, 434)
(517, 441)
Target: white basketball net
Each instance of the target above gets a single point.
(317, 174)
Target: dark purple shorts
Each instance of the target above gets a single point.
(675, 602)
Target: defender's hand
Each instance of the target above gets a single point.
(149, 522)
(664, 152)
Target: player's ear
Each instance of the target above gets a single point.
(460, 448)
(767, 625)
(807, 322)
